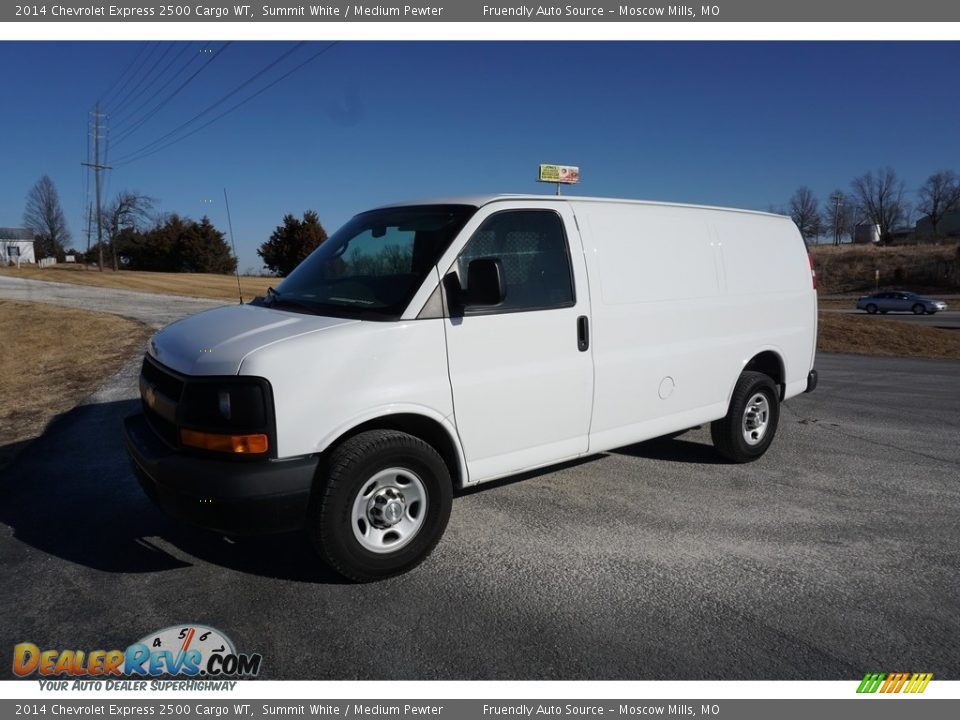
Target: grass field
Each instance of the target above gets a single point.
(852, 268)
(865, 335)
(52, 358)
(218, 287)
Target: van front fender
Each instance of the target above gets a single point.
(406, 418)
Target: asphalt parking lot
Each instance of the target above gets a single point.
(834, 555)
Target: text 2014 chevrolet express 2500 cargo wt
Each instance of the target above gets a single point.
(442, 344)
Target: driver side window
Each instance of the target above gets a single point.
(532, 248)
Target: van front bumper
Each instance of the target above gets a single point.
(234, 497)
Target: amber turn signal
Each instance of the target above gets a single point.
(240, 444)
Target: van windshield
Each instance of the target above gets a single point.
(372, 266)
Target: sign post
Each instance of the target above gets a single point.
(559, 174)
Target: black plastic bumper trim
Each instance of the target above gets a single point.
(239, 498)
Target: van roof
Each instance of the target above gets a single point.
(481, 200)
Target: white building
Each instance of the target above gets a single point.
(16, 246)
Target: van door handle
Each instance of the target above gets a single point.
(583, 333)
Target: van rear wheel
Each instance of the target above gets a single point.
(380, 505)
(751, 421)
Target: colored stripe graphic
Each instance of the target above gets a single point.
(870, 682)
(894, 682)
(918, 683)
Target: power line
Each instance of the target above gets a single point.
(127, 160)
(138, 89)
(122, 91)
(152, 112)
(133, 81)
(123, 111)
(123, 74)
(219, 102)
(139, 121)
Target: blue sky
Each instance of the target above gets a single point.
(730, 123)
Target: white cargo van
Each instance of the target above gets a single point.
(430, 346)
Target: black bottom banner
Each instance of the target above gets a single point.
(874, 708)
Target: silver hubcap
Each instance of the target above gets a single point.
(756, 419)
(389, 510)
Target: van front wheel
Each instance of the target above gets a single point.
(380, 506)
(751, 421)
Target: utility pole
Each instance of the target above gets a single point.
(89, 222)
(97, 167)
(836, 220)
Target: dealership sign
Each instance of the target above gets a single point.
(565, 174)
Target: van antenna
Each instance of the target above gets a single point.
(233, 245)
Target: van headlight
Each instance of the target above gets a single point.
(226, 416)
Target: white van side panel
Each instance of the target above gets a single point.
(675, 319)
(768, 282)
(324, 387)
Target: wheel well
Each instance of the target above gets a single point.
(770, 364)
(420, 426)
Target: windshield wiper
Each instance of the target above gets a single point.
(275, 300)
(352, 301)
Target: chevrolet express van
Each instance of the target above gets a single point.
(431, 346)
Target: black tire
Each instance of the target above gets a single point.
(872, 309)
(728, 432)
(348, 471)
(918, 309)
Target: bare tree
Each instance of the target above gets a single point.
(839, 216)
(805, 211)
(129, 210)
(44, 216)
(939, 195)
(880, 199)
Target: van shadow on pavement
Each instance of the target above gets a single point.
(72, 494)
(672, 449)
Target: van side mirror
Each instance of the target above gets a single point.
(485, 287)
(484, 283)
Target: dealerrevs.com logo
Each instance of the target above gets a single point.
(194, 651)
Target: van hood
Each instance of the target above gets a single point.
(215, 342)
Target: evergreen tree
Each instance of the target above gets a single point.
(291, 242)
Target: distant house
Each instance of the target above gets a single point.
(16, 246)
(866, 233)
(949, 226)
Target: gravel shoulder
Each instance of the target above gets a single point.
(149, 308)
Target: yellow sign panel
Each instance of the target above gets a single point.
(567, 174)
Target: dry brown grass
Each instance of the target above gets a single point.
(52, 357)
(865, 335)
(218, 287)
(852, 268)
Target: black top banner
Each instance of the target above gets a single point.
(852, 11)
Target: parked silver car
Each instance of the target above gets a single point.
(900, 301)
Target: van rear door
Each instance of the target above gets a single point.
(522, 372)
